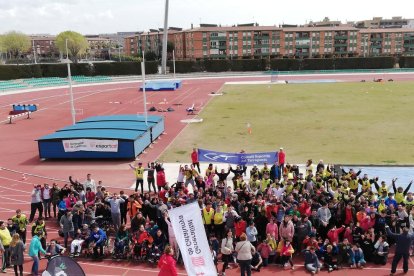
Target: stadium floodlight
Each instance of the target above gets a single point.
(72, 104)
(143, 87)
(164, 41)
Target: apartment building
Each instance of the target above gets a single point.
(44, 46)
(379, 23)
(246, 42)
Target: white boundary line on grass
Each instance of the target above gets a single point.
(178, 134)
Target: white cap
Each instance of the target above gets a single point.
(281, 148)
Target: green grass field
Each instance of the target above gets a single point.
(348, 123)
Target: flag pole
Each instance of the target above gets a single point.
(143, 87)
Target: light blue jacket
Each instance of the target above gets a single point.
(35, 247)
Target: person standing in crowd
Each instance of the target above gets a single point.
(281, 159)
(167, 264)
(5, 239)
(115, 202)
(227, 250)
(39, 230)
(139, 176)
(251, 233)
(36, 203)
(66, 224)
(89, 182)
(244, 251)
(46, 195)
(151, 177)
(194, 160)
(17, 249)
(35, 249)
(21, 221)
(324, 215)
(403, 243)
(55, 192)
(123, 206)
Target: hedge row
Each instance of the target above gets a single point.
(406, 62)
(8, 72)
(283, 64)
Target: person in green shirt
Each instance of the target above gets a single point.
(21, 221)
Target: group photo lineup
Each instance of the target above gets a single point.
(206, 138)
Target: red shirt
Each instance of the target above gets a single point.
(281, 157)
(333, 235)
(166, 264)
(161, 179)
(240, 227)
(194, 157)
(162, 196)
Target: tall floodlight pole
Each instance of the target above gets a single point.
(143, 87)
(174, 63)
(34, 51)
(164, 41)
(72, 104)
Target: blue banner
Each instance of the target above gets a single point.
(236, 158)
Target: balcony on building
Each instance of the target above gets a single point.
(341, 35)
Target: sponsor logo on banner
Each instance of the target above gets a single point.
(192, 239)
(90, 145)
(236, 158)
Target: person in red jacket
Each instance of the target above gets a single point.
(166, 264)
(333, 234)
(194, 160)
(240, 227)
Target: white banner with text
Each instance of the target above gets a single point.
(192, 239)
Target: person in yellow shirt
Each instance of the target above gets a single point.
(400, 193)
(139, 175)
(218, 220)
(5, 239)
(266, 182)
(208, 215)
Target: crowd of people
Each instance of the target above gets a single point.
(275, 214)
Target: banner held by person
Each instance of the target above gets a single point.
(191, 238)
(236, 158)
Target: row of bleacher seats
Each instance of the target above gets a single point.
(46, 82)
(10, 85)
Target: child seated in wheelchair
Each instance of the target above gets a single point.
(121, 243)
(141, 239)
(153, 253)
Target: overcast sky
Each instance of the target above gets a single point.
(105, 16)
